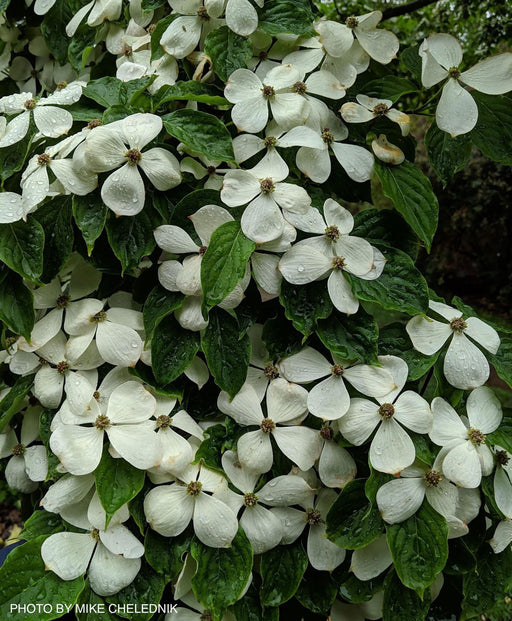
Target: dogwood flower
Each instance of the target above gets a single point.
(195, 21)
(336, 466)
(457, 112)
(369, 108)
(370, 561)
(503, 481)
(502, 536)
(465, 366)
(97, 11)
(467, 455)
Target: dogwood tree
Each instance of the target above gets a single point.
(225, 384)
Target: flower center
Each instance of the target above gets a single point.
(250, 500)
(458, 325)
(62, 367)
(327, 433)
(96, 395)
(9, 341)
(102, 422)
(380, 109)
(63, 301)
(18, 450)
(127, 50)
(268, 91)
(263, 55)
(267, 185)
(352, 22)
(502, 458)
(44, 159)
(99, 317)
(332, 233)
(454, 72)
(61, 85)
(151, 28)
(300, 88)
(202, 13)
(206, 616)
(271, 372)
(30, 104)
(270, 141)
(327, 135)
(386, 411)
(433, 478)
(267, 425)
(163, 421)
(338, 263)
(133, 156)
(194, 488)
(313, 517)
(203, 249)
(211, 170)
(337, 370)
(94, 123)
(95, 534)
(476, 436)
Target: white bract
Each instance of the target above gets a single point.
(369, 108)
(465, 366)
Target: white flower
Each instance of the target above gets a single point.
(465, 366)
(286, 403)
(457, 112)
(251, 97)
(183, 33)
(336, 466)
(503, 481)
(372, 560)
(120, 142)
(502, 536)
(169, 508)
(391, 449)
(329, 399)
(467, 457)
(98, 11)
(66, 491)
(369, 108)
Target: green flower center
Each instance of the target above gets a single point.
(62, 367)
(270, 141)
(327, 135)
(44, 159)
(476, 436)
(30, 104)
(332, 233)
(250, 500)
(338, 263)
(18, 450)
(267, 425)
(454, 72)
(102, 422)
(163, 421)
(337, 370)
(380, 109)
(99, 317)
(267, 186)
(313, 517)
(352, 22)
(194, 488)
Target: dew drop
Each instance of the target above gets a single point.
(300, 268)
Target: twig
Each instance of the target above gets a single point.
(395, 11)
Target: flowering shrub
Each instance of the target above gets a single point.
(225, 384)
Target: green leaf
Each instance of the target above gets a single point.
(400, 287)
(151, 5)
(351, 337)
(411, 192)
(53, 28)
(447, 155)
(158, 305)
(117, 482)
(166, 554)
(281, 571)
(131, 238)
(402, 604)
(222, 573)
(172, 349)
(147, 588)
(357, 591)
(227, 355)
(488, 584)
(353, 522)
(191, 91)
(389, 87)
(4, 4)
(317, 592)
(14, 399)
(21, 247)
(25, 581)
(157, 51)
(40, 523)
(419, 547)
(248, 608)
(224, 263)
(16, 303)
(87, 605)
(412, 60)
(201, 132)
(502, 436)
(388, 227)
(493, 131)
(280, 338)
(12, 158)
(227, 50)
(81, 46)
(90, 214)
(55, 218)
(217, 439)
(502, 359)
(305, 304)
(106, 91)
(277, 17)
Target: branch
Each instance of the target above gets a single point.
(405, 8)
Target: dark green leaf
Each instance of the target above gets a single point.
(351, 337)
(14, 399)
(419, 547)
(353, 522)
(411, 192)
(502, 360)
(157, 51)
(218, 439)
(21, 247)
(40, 523)
(12, 158)
(227, 50)
(248, 608)
(281, 572)
(53, 28)
(227, 355)
(191, 91)
(166, 555)
(90, 215)
(25, 581)
(447, 155)
(317, 592)
(172, 349)
(106, 91)
(81, 47)
(55, 218)
(389, 87)
(394, 341)
(158, 305)
(400, 287)
(117, 482)
(147, 588)
(401, 604)
(131, 238)
(278, 16)
(280, 338)
(386, 226)
(493, 131)
(151, 5)
(16, 303)
(412, 60)
(357, 591)
(201, 132)
(222, 573)
(87, 605)
(502, 436)
(224, 263)
(305, 304)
